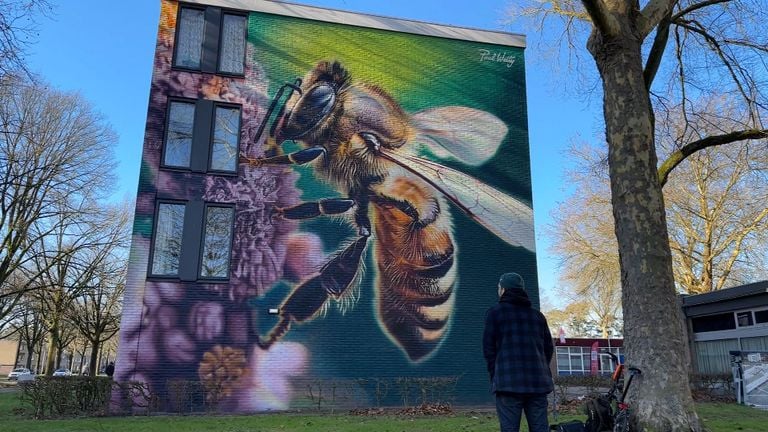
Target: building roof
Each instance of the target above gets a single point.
(740, 291)
(370, 21)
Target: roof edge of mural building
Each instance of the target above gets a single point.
(370, 21)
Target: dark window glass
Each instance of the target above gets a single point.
(761, 316)
(717, 322)
(232, 46)
(217, 242)
(224, 151)
(178, 140)
(168, 234)
(189, 45)
(744, 319)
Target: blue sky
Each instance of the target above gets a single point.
(104, 50)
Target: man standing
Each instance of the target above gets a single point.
(518, 348)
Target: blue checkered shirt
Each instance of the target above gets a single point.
(517, 346)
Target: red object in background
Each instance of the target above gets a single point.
(561, 334)
(593, 366)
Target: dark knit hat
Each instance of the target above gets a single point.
(511, 280)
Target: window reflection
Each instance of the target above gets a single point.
(178, 142)
(168, 235)
(217, 242)
(224, 152)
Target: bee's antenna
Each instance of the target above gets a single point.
(295, 86)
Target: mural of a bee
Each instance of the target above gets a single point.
(365, 145)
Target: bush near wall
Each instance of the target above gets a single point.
(66, 396)
(713, 387)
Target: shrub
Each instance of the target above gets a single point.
(67, 396)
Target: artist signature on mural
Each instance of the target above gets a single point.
(497, 56)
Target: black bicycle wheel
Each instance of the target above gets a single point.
(621, 422)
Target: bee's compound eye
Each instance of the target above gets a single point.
(371, 140)
(313, 107)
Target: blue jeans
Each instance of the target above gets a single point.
(509, 407)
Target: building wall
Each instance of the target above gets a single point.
(404, 323)
(8, 348)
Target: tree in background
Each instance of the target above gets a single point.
(96, 311)
(29, 327)
(56, 162)
(696, 47)
(18, 28)
(87, 253)
(717, 205)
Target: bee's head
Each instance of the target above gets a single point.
(313, 109)
(354, 121)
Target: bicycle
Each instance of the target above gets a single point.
(620, 419)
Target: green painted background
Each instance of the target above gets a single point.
(420, 72)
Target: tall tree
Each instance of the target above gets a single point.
(29, 327)
(96, 311)
(84, 252)
(18, 25)
(699, 46)
(55, 155)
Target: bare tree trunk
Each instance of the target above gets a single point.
(94, 359)
(661, 397)
(30, 354)
(51, 356)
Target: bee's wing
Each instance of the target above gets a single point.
(469, 135)
(507, 217)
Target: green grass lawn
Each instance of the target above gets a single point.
(717, 417)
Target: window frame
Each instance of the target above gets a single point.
(153, 242)
(167, 130)
(201, 151)
(755, 311)
(208, 205)
(220, 39)
(174, 66)
(212, 134)
(751, 318)
(210, 39)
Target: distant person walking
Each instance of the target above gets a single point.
(518, 348)
(110, 369)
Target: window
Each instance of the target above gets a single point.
(217, 242)
(232, 48)
(178, 139)
(209, 40)
(724, 321)
(761, 317)
(744, 319)
(202, 136)
(226, 133)
(189, 41)
(193, 240)
(166, 255)
(576, 360)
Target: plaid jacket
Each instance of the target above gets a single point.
(517, 346)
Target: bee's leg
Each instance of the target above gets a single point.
(331, 282)
(309, 297)
(296, 158)
(306, 210)
(361, 216)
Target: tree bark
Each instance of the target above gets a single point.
(51, 356)
(94, 359)
(661, 398)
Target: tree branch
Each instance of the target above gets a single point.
(697, 6)
(652, 14)
(601, 17)
(711, 141)
(657, 52)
